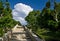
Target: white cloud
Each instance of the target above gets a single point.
(20, 11)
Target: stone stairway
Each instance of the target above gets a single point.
(18, 34)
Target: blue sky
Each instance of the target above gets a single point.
(35, 4)
(21, 8)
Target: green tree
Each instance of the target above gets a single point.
(47, 22)
(1, 8)
(6, 19)
(31, 19)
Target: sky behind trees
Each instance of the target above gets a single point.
(35, 4)
(21, 8)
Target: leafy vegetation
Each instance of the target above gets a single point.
(6, 20)
(46, 23)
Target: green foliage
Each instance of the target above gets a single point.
(48, 35)
(46, 23)
(1, 32)
(6, 20)
(31, 18)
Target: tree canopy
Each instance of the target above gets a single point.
(6, 19)
(48, 19)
